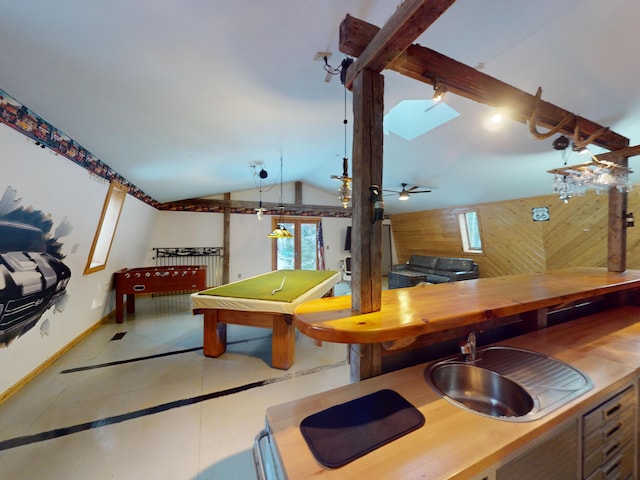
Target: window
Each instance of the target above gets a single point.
(300, 252)
(106, 228)
(470, 231)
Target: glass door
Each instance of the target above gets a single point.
(286, 249)
(301, 251)
(308, 246)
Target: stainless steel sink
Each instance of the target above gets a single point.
(507, 383)
(482, 390)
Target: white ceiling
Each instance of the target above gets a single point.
(180, 97)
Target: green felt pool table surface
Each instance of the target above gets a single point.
(278, 286)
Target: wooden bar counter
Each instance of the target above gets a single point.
(422, 315)
(414, 311)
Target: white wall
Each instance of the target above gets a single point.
(66, 192)
(184, 229)
(250, 249)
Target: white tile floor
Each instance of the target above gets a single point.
(137, 415)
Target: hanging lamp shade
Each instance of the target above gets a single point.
(280, 232)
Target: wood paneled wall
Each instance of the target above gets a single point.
(574, 236)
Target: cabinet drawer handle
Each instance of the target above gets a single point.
(613, 430)
(612, 449)
(613, 472)
(610, 412)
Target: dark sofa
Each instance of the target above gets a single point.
(424, 268)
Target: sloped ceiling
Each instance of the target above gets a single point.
(182, 96)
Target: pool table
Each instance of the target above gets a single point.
(266, 301)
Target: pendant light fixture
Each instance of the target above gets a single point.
(344, 191)
(260, 210)
(261, 175)
(280, 231)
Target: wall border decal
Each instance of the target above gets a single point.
(17, 116)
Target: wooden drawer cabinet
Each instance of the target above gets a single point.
(610, 440)
(607, 438)
(618, 468)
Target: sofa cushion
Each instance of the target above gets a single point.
(455, 264)
(423, 261)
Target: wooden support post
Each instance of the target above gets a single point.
(365, 361)
(298, 193)
(366, 240)
(617, 231)
(535, 319)
(226, 242)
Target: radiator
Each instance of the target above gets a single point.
(211, 257)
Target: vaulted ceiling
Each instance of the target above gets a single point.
(181, 97)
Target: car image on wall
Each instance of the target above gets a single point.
(31, 280)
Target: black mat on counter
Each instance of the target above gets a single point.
(340, 434)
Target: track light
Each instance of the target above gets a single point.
(439, 91)
(581, 150)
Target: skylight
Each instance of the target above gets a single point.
(412, 118)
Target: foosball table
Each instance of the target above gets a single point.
(149, 280)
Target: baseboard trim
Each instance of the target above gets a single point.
(47, 363)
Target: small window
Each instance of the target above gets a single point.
(106, 228)
(470, 232)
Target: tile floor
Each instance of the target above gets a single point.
(150, 405)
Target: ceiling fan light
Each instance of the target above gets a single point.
(403, 196)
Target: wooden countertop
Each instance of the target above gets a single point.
(411, 312)
(457, 444)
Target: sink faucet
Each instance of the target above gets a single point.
(468, 347)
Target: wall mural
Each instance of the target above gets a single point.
(33, 277)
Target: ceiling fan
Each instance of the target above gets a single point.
(405, 193)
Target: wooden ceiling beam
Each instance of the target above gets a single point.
(616, 155)
(214, 205)
(408, 22)
(429, 66)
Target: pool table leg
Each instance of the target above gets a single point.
(283, 344)
(215, 334)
